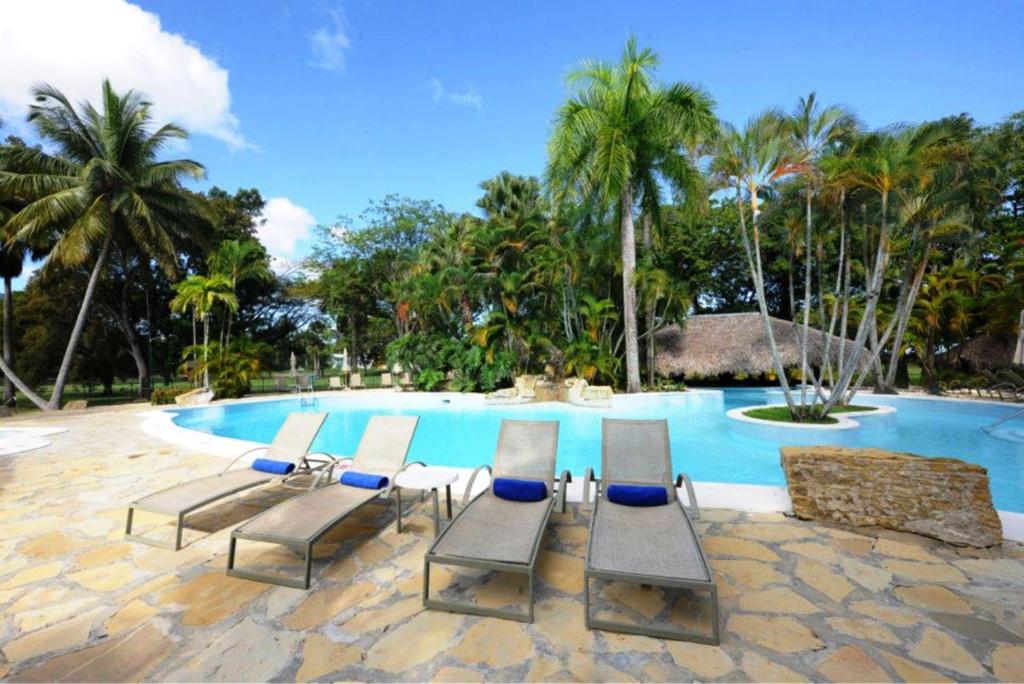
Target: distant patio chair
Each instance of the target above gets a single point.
(300, 522)
(334, 382)
(501, 529)
(405, 381)
(640, 532)
(355, 381)
(386, 380)
(286, 458)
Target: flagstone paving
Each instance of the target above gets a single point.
(799, 601)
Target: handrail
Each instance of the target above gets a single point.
(1016, 414)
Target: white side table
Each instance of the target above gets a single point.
(430, 478)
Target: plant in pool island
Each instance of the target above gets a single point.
(783, 414)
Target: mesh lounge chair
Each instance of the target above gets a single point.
(645, 544)
(355, 381)
(291, 444)
(495, 533)
(300, 522)
(386, 380)
(334, 382)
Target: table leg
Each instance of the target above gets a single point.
(448, 492)
(437, 513)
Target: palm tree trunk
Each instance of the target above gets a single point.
(206, 351)
(808, 236)
(628, 235)
(8, 342)
(195, 342)
(651, 306)
(76, 333)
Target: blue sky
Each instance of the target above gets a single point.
(327, 105)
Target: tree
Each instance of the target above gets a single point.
(103, 185)
(202, 294)
(240, 261)
(618, 133)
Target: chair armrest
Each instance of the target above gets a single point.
(588, 477)
(472, 479)
(243, 455)
(563, 483)
(694, 509)
(328, 472)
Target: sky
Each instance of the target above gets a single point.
(329, 104)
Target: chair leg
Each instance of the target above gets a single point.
(309, 564)
(128, 525)
(178, 531)
(426, 580)
(231, 552)
(398, 505)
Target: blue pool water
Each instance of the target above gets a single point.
(459, 430)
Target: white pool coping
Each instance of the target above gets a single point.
(159, 423)
(27, 439)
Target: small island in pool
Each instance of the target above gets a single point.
(781, 414)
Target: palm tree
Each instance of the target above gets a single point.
(239, 260)
(202, 294)
(104, 184)
(12, 261)
(618, 134)
(810, 130)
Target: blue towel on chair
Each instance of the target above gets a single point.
(637, 495)
(519, 490)
(269, 465)
(354, 478)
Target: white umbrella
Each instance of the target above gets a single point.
(295, 371)
(397, 368)
(1018, 356)
(344, 361)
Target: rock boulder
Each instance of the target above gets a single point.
(944, 498)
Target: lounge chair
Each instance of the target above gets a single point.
(300, 522)
(355, 381)
(386, 380)
(334, 382)
(288, 455)
(495, 533)
(651, 541)
(405, 381)
(998, 386)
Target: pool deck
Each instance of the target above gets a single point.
(799, 601)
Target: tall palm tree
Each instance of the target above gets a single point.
(810, 130)
(201, 294)
(240, 261)
(616, 136)
(12, 261)
(103, 184)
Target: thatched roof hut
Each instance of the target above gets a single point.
(710, 345)
(982, 352)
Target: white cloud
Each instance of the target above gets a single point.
(283, 223)
(75, 45)
(468, 98)
(330, 43)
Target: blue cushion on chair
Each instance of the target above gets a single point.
(354, 478)
(269, 465)
(519, 490)
(637, 495)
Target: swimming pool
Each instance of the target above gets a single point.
(460, 430)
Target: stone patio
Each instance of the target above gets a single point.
(798, 601)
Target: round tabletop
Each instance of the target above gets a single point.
(427, 477)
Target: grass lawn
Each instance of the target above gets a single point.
(781, 414)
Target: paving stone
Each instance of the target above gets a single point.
(366, 621)
(718, 514)
(814, 551)
(646, 600)
(749, 574)
(862, 628)
(31, 620)
(247, 651)
(780, 634)
(58, 637)
(32, 575)
(761, 669)
(910, 671)
(933, 597)
(993, 567)
(546, 669)
(499, 590)
(561, 623)
(494, 643)
(617, 642)
(562, 572)
(211, 597)
(940, 649)
(890, 547)
(818, 576)
(457, 674)
(128, 659)
(925, 572)
(707, 662)
(413, 643)
(880, 611)
(868, 576)
(585, 669)
(37, 597)
(104, 578)
(770, 532)
(1008, 663)
(49, 545)
(322, 606)
(129, 616)
(778, 600)
(738, 548)
(321, 656)
(852, 664)
(976, 628)
(855, 546)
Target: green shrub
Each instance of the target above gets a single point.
(165, 395)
